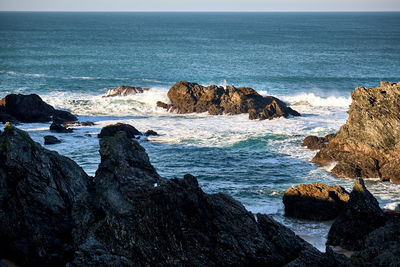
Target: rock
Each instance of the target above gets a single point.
(368, 145)
(4, 117)
(125, 91)
(150, 132)
(61, 116)
(54, 127)
(360, 217)
(314, 142)
(38, 190)
(78, 123)
(315, 201)
(191, 97)
(111, 130)
(51, 140)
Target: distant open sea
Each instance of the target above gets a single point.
(310, 60)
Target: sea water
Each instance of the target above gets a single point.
(312, 61)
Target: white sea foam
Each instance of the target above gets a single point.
(310, 99)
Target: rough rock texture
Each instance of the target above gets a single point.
(125, 91)
(368, 145)
(360, 217)
(38, 189)
(29, 108)
(111, 130)
(58, 128)
(61, 116)
(52, 214)
(314, 142)
(191, 97)
(150, 132)
(51, 140)
(315, 201)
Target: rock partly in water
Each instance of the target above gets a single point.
(191, 97)
(78, 123)
(314, 142)
(4, 117)
(360, 217)
(150, 132)
(315, 201)
(58, 128)
(125, 91)
(62, 116)
(38, 190)
(51, 140)
(368, 145)
(111, 130)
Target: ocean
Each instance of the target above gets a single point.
(312, 61)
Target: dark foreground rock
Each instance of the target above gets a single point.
(29, 108)
(368, 145)
(38, 189)
(315, 201)
(51, 140)
(125, 91)
(53, 214)
(62, 116)
(111, 130)
(191, 97)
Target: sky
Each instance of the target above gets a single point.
(199, 5)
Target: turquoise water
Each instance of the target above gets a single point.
(310, 60)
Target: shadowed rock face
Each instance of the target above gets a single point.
(52, 214)
(315, 201)
(111, 130)
(368, 145)
(191, 97)
(38, 189)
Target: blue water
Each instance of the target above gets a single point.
(310, 60)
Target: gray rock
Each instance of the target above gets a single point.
(51, 140)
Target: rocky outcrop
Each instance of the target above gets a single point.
(125, 91)
(58, 128)
(111, 130)
(53, 214)
(368, 145)
(77, 123)
(360, 217)
(62, 116)
(29, 108)
(51, 140)
(38, 190)
(150, 132)
(191, 97)
(315, 201)
(314, 142)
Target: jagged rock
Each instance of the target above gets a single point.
(29, 108)
(360, 217)
(111, 130)
(38, 189)
(54, 127)
(125, 91)
(368, 145)
(191, 97)
(61, 116)
(314, 142)
(150, 132)
(315, 201)
(51, 140)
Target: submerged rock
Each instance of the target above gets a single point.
(38, 190)
(111, 130)
(191, 97)
(368, 145)
(53, 214)
(315, 201)
(51, 140)
(125, 91)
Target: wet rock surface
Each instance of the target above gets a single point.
(58, 128)
(125, 91)
(368, 145)
(111, 130)
(51, 140)
(315, 201)
(52, 213)
(314, 142)
(150, 132)
(191, 97)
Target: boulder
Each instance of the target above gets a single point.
(368, 145)
(51, 140)
(125, 91)
(315, 201)
(38, 190)
(315, 143)
(111, 130)
(58, 128)
(62, 116)
(150, 132)
(4, 117)
(360, 217)
(191, 97)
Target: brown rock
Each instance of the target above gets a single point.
(125, 91)
(314, 142)
(315, 201)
